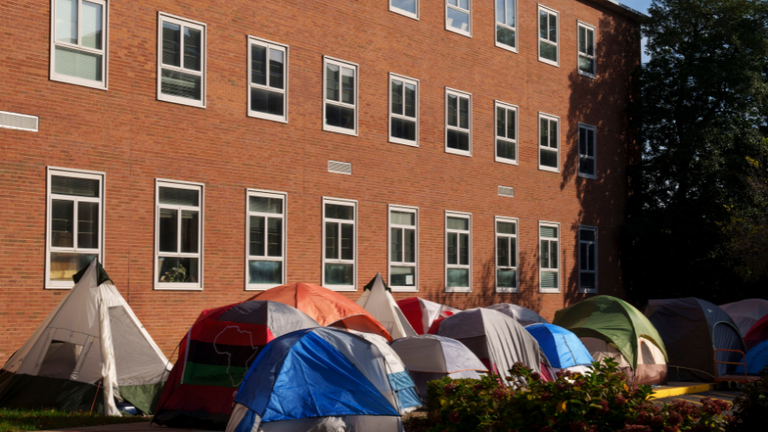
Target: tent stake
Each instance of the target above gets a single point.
(97, 395)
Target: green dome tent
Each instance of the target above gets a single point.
(610, 327)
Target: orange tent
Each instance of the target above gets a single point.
(327, 307)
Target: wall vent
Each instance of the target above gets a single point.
(11, 120)
(340, 167)
(506, 191)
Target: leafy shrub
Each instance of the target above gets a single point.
(593, 402)
(750, 408)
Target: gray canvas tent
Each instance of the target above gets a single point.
(692, 329)
(521, 314)
(746, 313)
(89, 351)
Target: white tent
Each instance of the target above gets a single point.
(378, 301)
(90, 343)
(521, 314)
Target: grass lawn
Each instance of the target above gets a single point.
(47, 419)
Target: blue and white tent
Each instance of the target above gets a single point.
(757, 359)
(563, 348)
(320, 379)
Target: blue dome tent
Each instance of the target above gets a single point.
(757, 359)
(563, 349)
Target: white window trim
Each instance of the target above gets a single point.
(67, 172)
(469, 19)
(578, 53)
(344, 202)
(458, 93)
(405, 80)
(180, 286)
(584, 290)
(495, 37)
(559, 260)
(462, 215)
(340, 64)
(517, 253)
(103, 52)
(267, 194)
(559, 143)
(539, 38)
(578, 150)
(253, 40)
(404, 12)
(162, 17)
(415, 211)
(506, 106)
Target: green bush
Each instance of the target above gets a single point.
(593, 402)
(749, 409)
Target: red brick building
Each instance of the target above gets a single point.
(469, 150)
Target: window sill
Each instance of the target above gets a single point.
(404, 289)
(260, 287)
(338, 130)
(458, 290)
(404, 13)
(341, 288)
(506, 161)
(261, 116)
(458, 152)
(404, 142)
(507, 290)
(588, 176)
(458, 32)
(178, 287)
(505, 47)
(549, 169)
(549, 62)
(181, 101)
(549, 290)
(587, 291)
(98, 85)
(59, 287)
(585, 74)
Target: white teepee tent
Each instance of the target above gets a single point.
(90, 342)
(378, 301)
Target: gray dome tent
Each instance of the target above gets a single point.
(692, 329)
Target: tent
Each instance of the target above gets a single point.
(746, 313)
(563, 349)
(422, 313)
(692, 329)
(327, 307)
(321, 379)
(432, 357)
(757, 333)
(378, 301)
(88, 352)
(757, 359)
(496, 339)
(214, 357)
(610, 327)
(521, 314)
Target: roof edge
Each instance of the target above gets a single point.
(623, 10)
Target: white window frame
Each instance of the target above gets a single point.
(597, 254)
(461, 215)
(405, 12)
(593, 57)
(183, 22)
(559, 260)
(66, 172)
(415, 264)
(515, 236)
(514, 29)
(179, 286)
(353, 261)
(469, 18)
(594, 149)
(539, 39)
(460, 94)
(341, 64)
(248, 257)
(101, 85)
(540, 147)
(253, 40)
(498, 104)
(405, 80)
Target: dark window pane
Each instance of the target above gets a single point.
(543, 132)
(256, 240)
(339, 116)
(331, 240)
(403, 218)
(267, 102)
(87, 225)
(276, 62)
(511, 124)
(402, 276)
(339, 274)
(410, 100)
(177, 270)
(464, 113)
(396, 241)
(458, 140)
(275, 237)
(553, 134)
(403, 129)
(582, 40)
(590, 42)
(332, 82)
(258, 64)
(336, 211)
(265, 205)
(169, 230)
(458, 278)
(62, 223)
(591, 142)
(505, 149)
(586, 65)
(265, 272)
(453, 109)
(347, 241)
(582, 141)
(591, 261)
(513, 252)
(501, 121)
(347, 86)
(587, 166)
(548, 158)
(452, 248)
(502, 251)
(505, 227)
(505, 35)
(586, 235)
(190, 223)
(181, 197)
(409, 246)
(588, 280)
(171, 44)
(553, 27)
(74, 186)
(179, 84)
(542, 24)
(65, 265)
(553, 255)
(544, 251)
(457, 223)
(397, 97)
(193, 50)
(464, 249)
(583, 256)
(506, 278)
(548, 51)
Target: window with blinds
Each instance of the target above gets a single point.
(340, 244)
(506, 255)
(265, 228)
(178, 235)
(458, 252)
(403, 248)
(549, 253)
(181, 61)
(79, 42)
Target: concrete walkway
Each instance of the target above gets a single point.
(126, 427)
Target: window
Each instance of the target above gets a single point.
(75, 224)
(549, 137)
(268, 72)
(340, 95)
(587, 164)
(181, 61)
(404, 110)
(506, 255)
(178, 235)
(265, 240)
(458, 122)
(458, 252)
(586, 50)
(403, 248)
(506, 133)
(79, 42)
(458, 16)
(409, 8)
(506, 24)
(587, 259)
(340, 237)
(549, 251)
(548, 36)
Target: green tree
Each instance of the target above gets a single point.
(702, 113)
